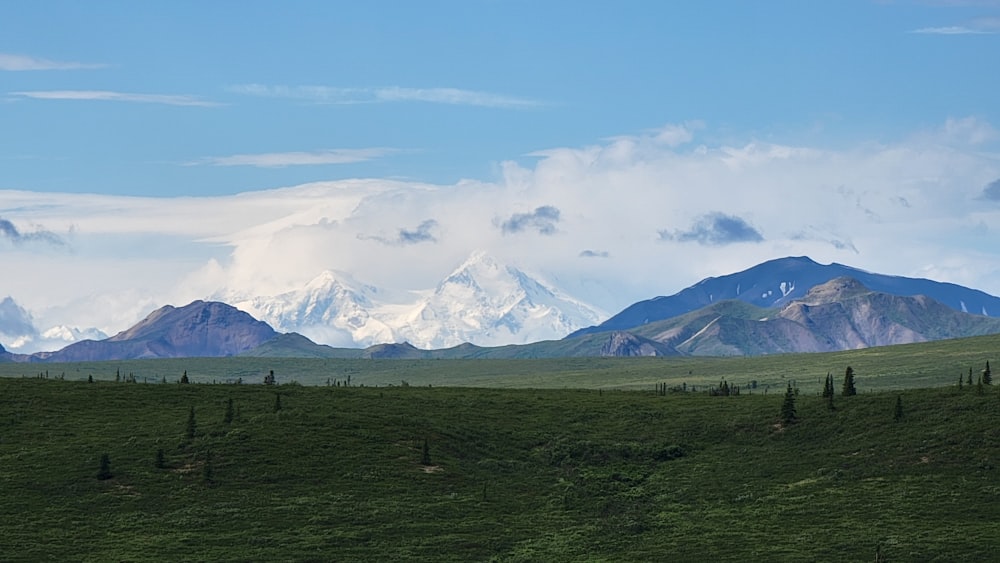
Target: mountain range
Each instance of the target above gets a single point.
(200, 329)
(780, 281)
(482, 301)
(764, 310)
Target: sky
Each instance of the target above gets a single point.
(160, 152)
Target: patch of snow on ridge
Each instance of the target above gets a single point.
(786, 288)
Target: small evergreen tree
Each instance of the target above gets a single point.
(184, 378)
(105, 471)
(969, 381)
(960, 378)
(229, 412)
(207, 471)
(987, 374)
(898, 414)
(191, 426)
(788, 414)
(849, 389)
(90, 379)
(425, 456)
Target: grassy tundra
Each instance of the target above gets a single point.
(540, 460)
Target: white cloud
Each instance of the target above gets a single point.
(11, 62)
(971, 130)
(306, 158)
(950, 30)
(106, 95)
(613, 198)
(337, 95)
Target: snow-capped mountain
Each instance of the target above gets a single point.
(333, 308)
(483, 302)
(18, 332)
(489, 304)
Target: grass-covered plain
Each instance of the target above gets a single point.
(513, 475)
(930, 364)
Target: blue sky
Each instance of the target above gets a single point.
(439, 91)
(619, 149)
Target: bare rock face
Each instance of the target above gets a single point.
(620, 343)
(200, 329)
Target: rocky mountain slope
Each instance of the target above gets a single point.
(200, 329)
(841, 314)
(783, 280)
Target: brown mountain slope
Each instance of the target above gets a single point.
(840, 314)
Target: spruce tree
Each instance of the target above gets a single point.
(960, 378)
(425, 456)
(788, 415)
(184, 378)
(898, 414)
(987, 374)
(208, 472)
(191, 426)
(849, 389)
(969, 381)
(105, 471)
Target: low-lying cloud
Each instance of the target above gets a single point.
(992, 191)
(10, 232)
(716, 229)
(424, 232)
(542, 220)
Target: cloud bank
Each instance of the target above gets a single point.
(625, 219)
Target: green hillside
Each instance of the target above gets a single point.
(340, 474)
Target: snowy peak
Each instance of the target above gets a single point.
(332, 308)
(482, 301)
(488, 303)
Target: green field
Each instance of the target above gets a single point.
(931, 364)
(534, 474)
